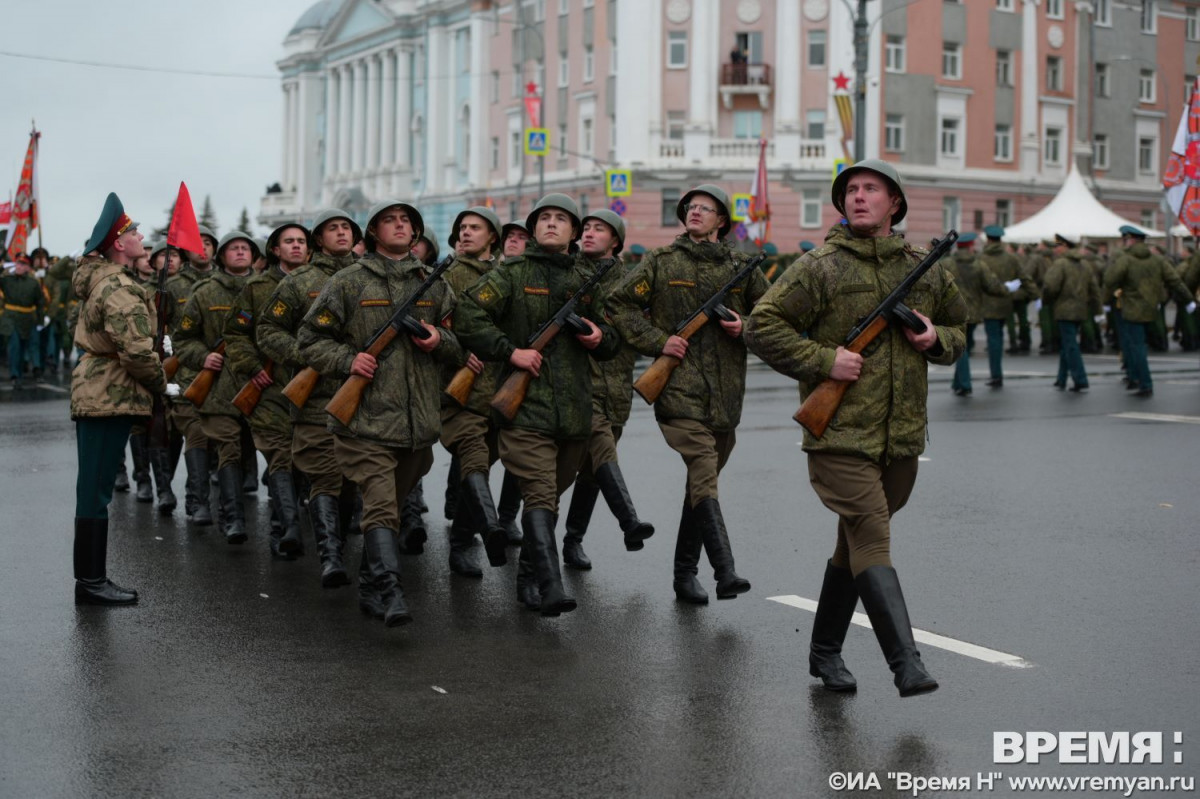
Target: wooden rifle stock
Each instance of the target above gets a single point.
(247, 399)
(197, 392)
(652, 381)
(818, 408)
(171, 366)
(460, 386)
(300, 387)
(507, 401)
(345, 402)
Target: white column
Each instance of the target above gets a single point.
(704, 64)
(294, 150)
(359, 148)
(639, 80)
(387, 132)
(303, 137)
(1030, 140)
(786, 75)
(344, 143)
(287, 135)
(372, 114)
(479, 109)
(437, 133)
(403, 108)
(332, 121)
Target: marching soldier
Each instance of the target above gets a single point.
(701, 406)
(24, 307)
(113, 384)
(515, 237)
(62, 300)
(1005, 266)
(974, 283)
(1071, 290)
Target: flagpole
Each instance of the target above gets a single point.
(34, 134)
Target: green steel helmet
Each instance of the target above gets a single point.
(328, 215)
(718, 194)
(205, 230)
(487, 213)
(561, 202)
(510, 227)
(157, 246)
(613, 221)
(430, 238)
(869, 165)
(378, 208)
(273, 239)
(233, 236)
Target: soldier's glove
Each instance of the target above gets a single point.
(167, 349)
(1012, 285)
(1191, 306)
(173, 390)
(46, 322)
(1037, 304)
(1108, 309)
(1098, 318)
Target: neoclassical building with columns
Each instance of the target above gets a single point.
(983, 105)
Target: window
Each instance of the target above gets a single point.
(893, 133)
(1003, 212)
(1193, 24)
(1146, 86)
(951, 213)
(1004, 143)
(495, 152)
(539, 10)
(750, 43)
(894, 55)
(518, 81)
(539, 73)
(677, 50)
(747, 124)
(814, 124)
(978, 218)
(513, 209)
(1004, 68)
(1103, 80)
(1100, 151)
(495, 86)
(563, 7)
(1149, 218)
(587, 135)
(514, 148)
(952, 61)
(1054, 77)
(1147, 157)
(612, 57)
(670, 199)
(1103, 12)
(810, 208)
(816, 48)
(1054, 9)
(589, 64)
(564, 70)
(1053, 150)
(949, 138)
(675, 122)
(562, 141)
(1004, 5)
(1149, 16)
(612, 135)
(583, 206)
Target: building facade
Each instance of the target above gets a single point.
(983, 104)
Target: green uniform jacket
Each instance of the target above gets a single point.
(674, 281)
(276, 329)
(1142, 278)
(798, 326)
(24, 305)
(612, 381)
(120, 372)
(973, 283)
(62, 296)
(245, 359)
(500, 314)
(401, 406)
(1005, 266)
(1190, 272)
(1071, 288)
(201, 327)
(462, 275)
(180, 287)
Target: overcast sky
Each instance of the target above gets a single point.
(139, 133)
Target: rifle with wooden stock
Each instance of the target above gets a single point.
(247, 399)
(507, 401)
(197, 392)
(652, 381)
(345, 402)
(459, 388)
(818, 408)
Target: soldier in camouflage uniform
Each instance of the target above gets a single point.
(333, 236)
(865, 465)
(196, 340)
(514, 237)
(113, 384)
(1071, 289)
(1006, 267)
(1142, 278)
(62, 300)
(388, 445)
(270, 422)
(612, 399)
(701, 406)
(974, 283)
(24, 307)
(546, 442)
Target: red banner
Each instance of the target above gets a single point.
(184, 232)
(1181, 181)
(25, 205)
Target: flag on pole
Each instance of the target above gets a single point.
(5, 222)
(25, 205)
(760, 205)
(1181, 182)
(184, 232)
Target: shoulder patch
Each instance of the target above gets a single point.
(243, 318)
(487, 295)
(279, 309)
(325, 318)
(186, 323)
(642, 289)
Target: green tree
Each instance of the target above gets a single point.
(208, 217)
(244, 221)
(161, 232)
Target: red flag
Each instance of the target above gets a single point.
(533, 104)
(25, 206)
(760, 206)
(1181, 181)
(184, 232)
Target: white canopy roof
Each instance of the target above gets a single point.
(1075, 212)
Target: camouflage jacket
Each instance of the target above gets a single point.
(462, 275)
(672, 282)
(24, 305)
(201, 328)
(245, 358)
(58, 283)
(401, 405)
(1142, 277)
(1189, 271)
(1005, 266)
(120, 372)
(1071, 288)
(612, 381)
(807, 314)
(973, 283)
(503, 311)
(277, 327)
(179, 288)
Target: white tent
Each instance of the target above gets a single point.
(1074, 211)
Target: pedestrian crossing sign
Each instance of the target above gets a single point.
(537, 141)
(838, 165)
(741, 207)
(618, 183)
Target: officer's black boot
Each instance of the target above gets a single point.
(879, 588)
(281, 484)
(275, 533)
(413, 534)
(579, 514)
(174, 450)
(196, 491)
(92, 586)
(323, 513)
(160, 465)
(368, 595)
(462, 542)
(122, 483)
(233, 515)
(834, 611)
(612, 484)
(453, 478)
(527, 589)
(716, 541)
(141, 467)
(509, 507)
(350, 508)
(249, 463)
(539, 532)
(383, 559)
(475, 494)
(687, 560)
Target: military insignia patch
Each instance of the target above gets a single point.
(537, 290)
(486, 296)
(312, 295)
(324, 318)
(374, 303)
(219, 307)
(424, 303)
(186, 323)
(279, 309)
(684, 284)
(243, 318)
(642, 288)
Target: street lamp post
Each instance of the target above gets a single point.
(860, 81)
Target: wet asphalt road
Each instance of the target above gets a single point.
(1043, 524)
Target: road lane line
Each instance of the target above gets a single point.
(1158, 417)
(924, 636)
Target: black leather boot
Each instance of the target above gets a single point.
(418, 495)
(350, 509)
(174, 450)
(368, 595)
(196, 490)
(509, 507)
(281, 485)
(233, 515)
(323, 513)
(834, 611)
(453, 478)
(579, 514)
(879, 588)
(527, 588)
(122, 483)
(539, 533)
(462, 542)
(160, 465)
(475, 496)
(275, 532)
(92, 586)
(716, 541)
(140, 451)
(249, 462)
(383, 559)
(413, 534)
(616, 494)
(687, 560)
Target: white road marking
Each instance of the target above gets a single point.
(1158, 417)
(924, 636)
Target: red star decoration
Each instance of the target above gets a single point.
(841, 82)
(531, 88)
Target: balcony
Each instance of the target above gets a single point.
(743, 153)
(745, 79)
